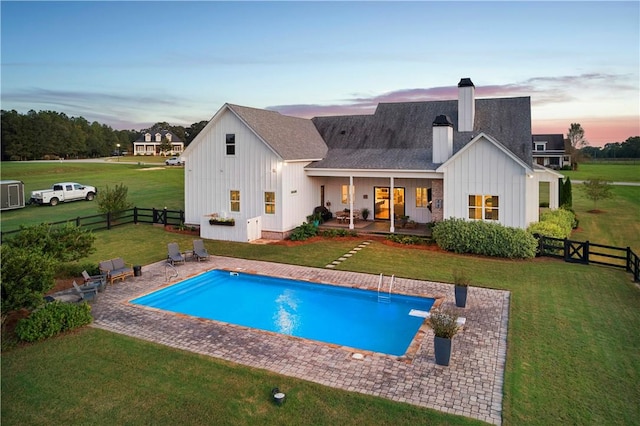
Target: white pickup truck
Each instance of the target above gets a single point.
(65, 191)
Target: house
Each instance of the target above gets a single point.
(466, 158)
(150, 144)
(549, 151)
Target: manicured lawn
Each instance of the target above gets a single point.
(611, 172)
(101, 378)
(616, 222)
(149, 187)
(573, 346)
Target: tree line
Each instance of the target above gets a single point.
(52, 135)
(627, 149)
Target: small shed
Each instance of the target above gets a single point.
(11, 194)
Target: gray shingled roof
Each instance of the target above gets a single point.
(555, 142)
(163, 133)
(400, 135)
(292, 138)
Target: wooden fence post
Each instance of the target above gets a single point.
(135, 215)
(108, 220)
(164, 222)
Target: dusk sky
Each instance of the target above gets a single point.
(132, 64)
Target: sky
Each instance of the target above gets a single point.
(132, 64)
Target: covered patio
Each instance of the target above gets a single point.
(377, 227)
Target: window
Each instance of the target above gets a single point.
(270, 202)
(235, 201)
(147, 137)
(483, 206)
(541, 146)
(231, 144)
(421, 197)
(158, 137)
(345, 194)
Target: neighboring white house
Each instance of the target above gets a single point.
(149, 144)
(467, 158)
(549, 151)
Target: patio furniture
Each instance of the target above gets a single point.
(87, 293)
(199, 251)
(99, 281)
(174, 256)
(116, 269)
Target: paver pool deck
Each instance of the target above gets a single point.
(471, 385)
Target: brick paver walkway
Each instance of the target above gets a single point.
(470, 386)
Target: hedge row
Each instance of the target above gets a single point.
(554, 223)
(484, 238)
(51, 319)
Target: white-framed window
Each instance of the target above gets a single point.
(168, 136)
(269, 202)
(234, 197)
(147, 137)
(344, 198)
(158, 137)
(230, 144)
(484, 207)
(541, 146)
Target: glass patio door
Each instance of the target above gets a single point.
(382, 206)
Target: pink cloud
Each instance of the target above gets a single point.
(597, 130)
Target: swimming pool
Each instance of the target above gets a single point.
(327, 313)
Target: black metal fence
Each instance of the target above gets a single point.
(112, 219)
(586, 253)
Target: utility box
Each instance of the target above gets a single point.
(11, 194)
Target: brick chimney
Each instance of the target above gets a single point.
(442, 139)
(466, 105)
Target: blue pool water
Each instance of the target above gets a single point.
(331, 314)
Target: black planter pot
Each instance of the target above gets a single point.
(442, 348)
(461, 296)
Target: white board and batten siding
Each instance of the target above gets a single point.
(484, 169)
(210, 175)
(299, 195)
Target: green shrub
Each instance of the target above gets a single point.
(484, 238)
(554, 223)
(51, 319)
(74, 269)
(548, 229)
(113, 200)
(304, 231)
(405, 239)
(26, 276)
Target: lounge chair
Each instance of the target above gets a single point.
(116, 269)
(99, 281)
(86, 293)
(199, 252)
(174, 255)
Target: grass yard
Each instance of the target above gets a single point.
(573, 347)
(149, 187)
(624, 172)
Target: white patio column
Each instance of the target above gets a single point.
(392, 227)
(351, 194)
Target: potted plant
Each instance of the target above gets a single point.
(444, 325)
(365, 213)
(461, 287)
